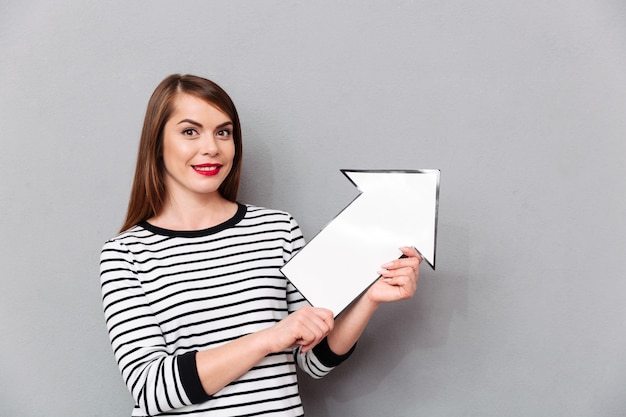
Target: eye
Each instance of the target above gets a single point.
(189, 132)
(225, 133)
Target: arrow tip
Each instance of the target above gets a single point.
(418, 189)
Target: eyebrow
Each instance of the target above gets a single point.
(193, 122)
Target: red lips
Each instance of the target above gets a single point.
(208, 170)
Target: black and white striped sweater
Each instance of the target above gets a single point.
(167, 294)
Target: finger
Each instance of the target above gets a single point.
(406, 283)
(405, 261)
(311, 324)
(409, 270)
(326, 315)
(396, 289)
(318, 311)
(310, 337)
(319, 323)
(322, 318)
(404, 277)
(411, 252)
(397, 281)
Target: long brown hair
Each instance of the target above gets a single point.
(148, 192)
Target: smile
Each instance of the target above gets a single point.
(207, 169)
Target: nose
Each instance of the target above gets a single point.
(209, 146)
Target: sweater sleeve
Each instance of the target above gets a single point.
(319, 361)
(157, 380)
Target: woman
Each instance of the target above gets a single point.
(201, 321)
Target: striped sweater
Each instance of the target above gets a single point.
(168, 294)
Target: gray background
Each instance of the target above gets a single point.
(520, 104)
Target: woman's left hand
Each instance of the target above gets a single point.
(398, 279)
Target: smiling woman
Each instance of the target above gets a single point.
(148, 192)
(198, 155)
(200, 318)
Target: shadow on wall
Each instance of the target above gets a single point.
(404, 331)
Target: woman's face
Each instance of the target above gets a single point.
(198, 148)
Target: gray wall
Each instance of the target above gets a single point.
(520, 104)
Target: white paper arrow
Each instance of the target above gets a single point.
(395, 208)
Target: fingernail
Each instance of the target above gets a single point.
(387, 265)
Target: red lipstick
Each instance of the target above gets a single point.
(208, 170)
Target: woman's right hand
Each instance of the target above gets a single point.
(305, 327)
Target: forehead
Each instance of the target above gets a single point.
(190, 106)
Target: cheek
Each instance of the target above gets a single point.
(176, 153)
(169, 156)
(229, 149)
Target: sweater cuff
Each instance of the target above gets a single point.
(329, 358)
(188, 373)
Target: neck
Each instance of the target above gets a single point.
(195, 214)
